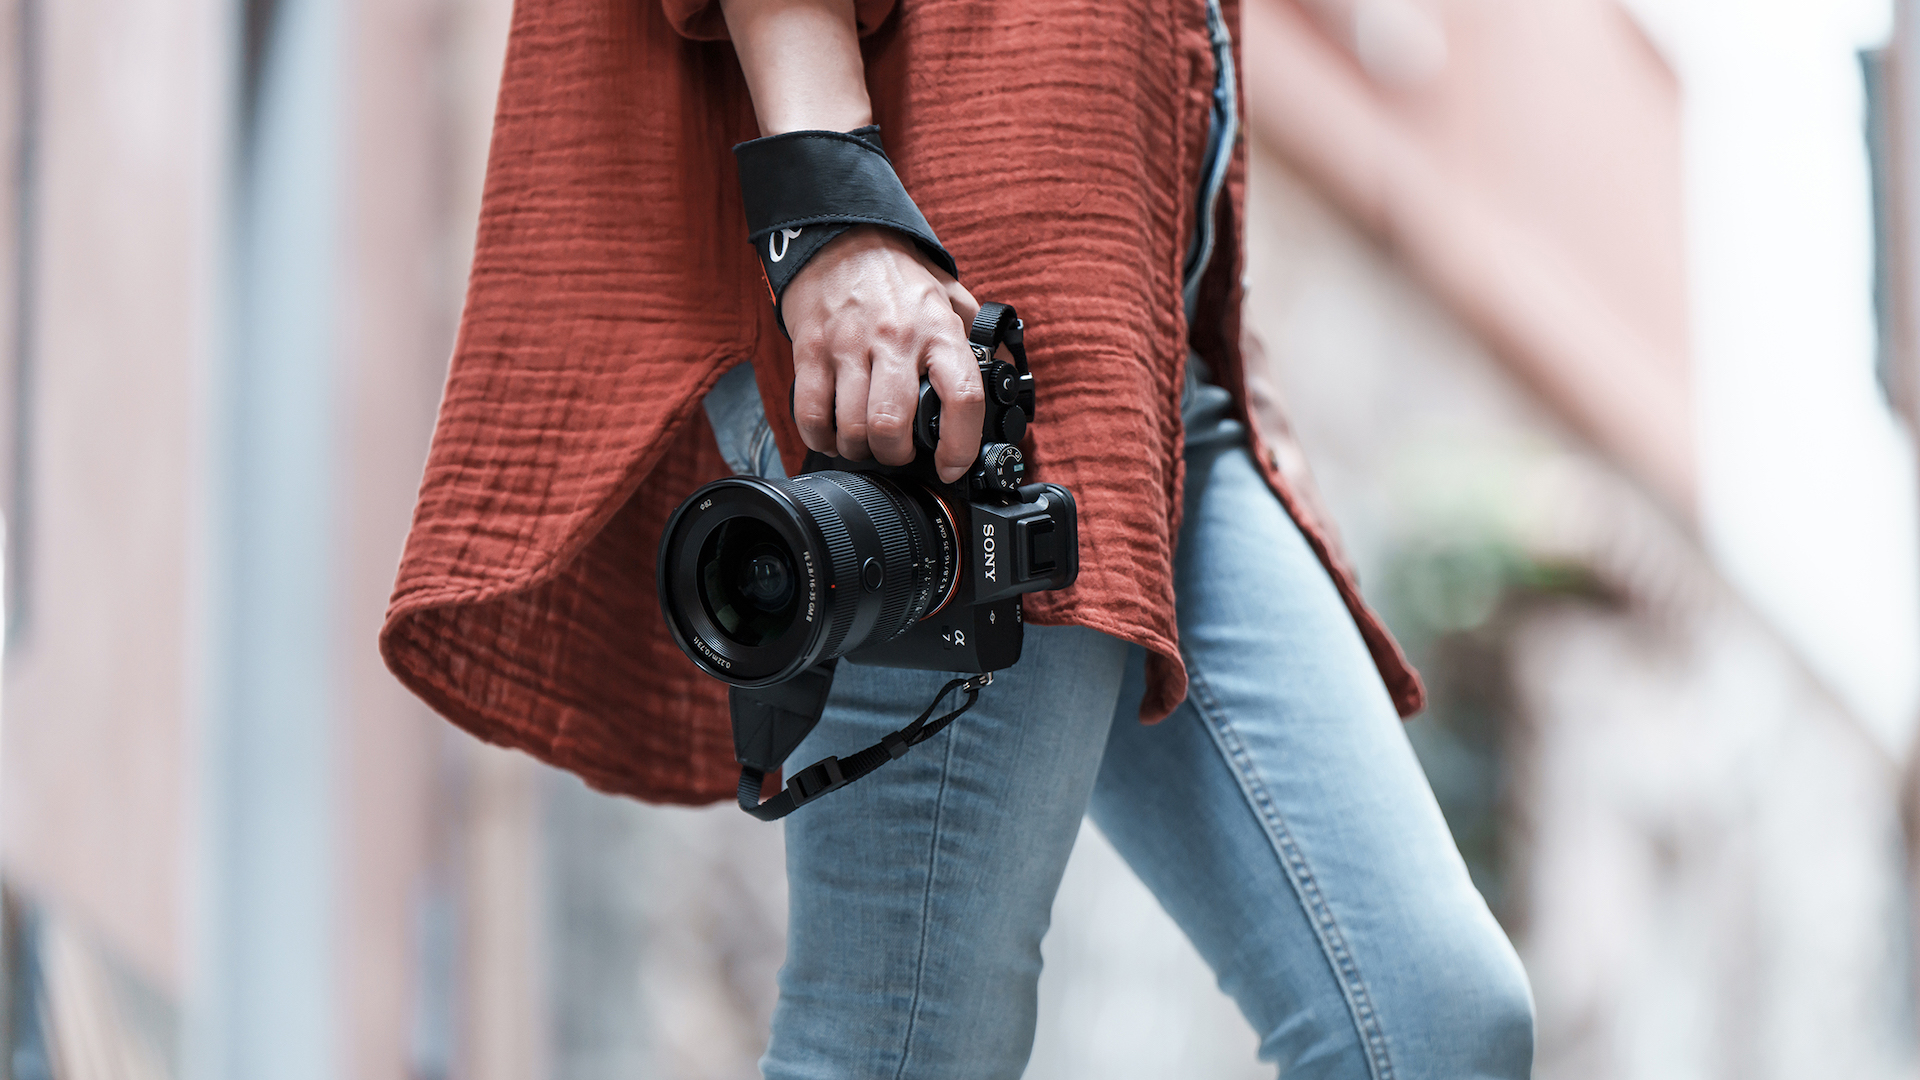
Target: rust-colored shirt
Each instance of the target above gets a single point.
(1054, 145)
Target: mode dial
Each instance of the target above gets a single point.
(1001, 470)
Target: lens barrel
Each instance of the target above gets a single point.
(762, 579)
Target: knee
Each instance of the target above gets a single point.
(1503, 1023)
(1463, 1011)
(1438, 1007)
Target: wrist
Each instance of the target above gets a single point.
(822, 115)
(802, 190)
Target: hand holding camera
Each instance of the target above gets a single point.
(761, 580)
(868, 315)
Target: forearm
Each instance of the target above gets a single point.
(802, 63)
(869, 314)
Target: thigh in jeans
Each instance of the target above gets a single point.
(1281, 818)
(919, 894)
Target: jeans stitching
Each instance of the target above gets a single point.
(926, 907)
(1332, 941)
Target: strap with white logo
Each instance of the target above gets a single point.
(803, 188)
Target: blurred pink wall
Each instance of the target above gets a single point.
(1524, 160)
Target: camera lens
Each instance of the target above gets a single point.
(761, 579)
(768, 581)
(746, 581)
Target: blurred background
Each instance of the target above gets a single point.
(1599, 321)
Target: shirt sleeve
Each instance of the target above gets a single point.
(702, 20)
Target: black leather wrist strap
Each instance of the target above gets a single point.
(775, 724)
(803, 188)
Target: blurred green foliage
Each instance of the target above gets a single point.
(1455, 599)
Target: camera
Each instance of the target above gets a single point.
(761, 580)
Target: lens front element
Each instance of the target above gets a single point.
(747, 581)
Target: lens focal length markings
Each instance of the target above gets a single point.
(842, 559)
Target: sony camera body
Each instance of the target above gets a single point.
(761, 580)
(1012, 537)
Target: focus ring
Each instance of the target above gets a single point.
(842, 560)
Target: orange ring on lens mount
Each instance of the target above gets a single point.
(959, 551)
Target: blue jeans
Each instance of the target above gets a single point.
(1279, 816)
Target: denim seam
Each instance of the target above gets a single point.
(757, 447)
(1293, 861)
(926, 906)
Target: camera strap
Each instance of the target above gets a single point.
(803, 188)
(773, 719)
(994, 325)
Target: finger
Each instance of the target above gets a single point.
(850, 402)
(963, 405)
(964, 305)
(893, 394)
(813, 393)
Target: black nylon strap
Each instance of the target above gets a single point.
(996, 324)
(832, 773)
(803, 188)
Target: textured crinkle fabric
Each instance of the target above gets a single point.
(702, 20)
(1053, 145)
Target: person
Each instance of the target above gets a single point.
(1083, 163)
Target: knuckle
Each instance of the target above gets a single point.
(811, 335)
(812, 419)
(809, 341)
(891, 333)
(966, 395)
(890, 426)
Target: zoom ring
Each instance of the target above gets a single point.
(901, 549)
(843, 562)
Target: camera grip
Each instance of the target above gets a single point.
(926, 417)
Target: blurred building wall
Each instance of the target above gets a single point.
(1807, 499)
(244, 247)
(125, 116)
(1473, 139)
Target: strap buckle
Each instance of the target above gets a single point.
(996, 324)
(816, 780)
